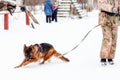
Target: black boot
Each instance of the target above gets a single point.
(110, 61)
(103, 61)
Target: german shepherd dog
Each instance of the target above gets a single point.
(36, 52)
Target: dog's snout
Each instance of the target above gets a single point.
(27, 56)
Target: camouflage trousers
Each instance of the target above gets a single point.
(109, 25)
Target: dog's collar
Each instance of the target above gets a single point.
(41, 49)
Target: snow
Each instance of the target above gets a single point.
(11, 1)
(63, 35)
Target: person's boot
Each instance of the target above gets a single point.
(103, 62)
(110, 61)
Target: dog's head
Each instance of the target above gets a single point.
(29, 51)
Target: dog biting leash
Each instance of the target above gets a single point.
(81, 40)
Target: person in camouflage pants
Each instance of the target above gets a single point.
(109, 24)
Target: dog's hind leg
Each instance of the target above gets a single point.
(58, 55)
(48, 55)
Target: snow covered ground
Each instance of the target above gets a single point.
(64, 35)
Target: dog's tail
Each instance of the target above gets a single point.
(58, 55)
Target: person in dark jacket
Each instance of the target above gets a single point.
(55, 10)
(48, 10)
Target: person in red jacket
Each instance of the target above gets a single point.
(55, 10)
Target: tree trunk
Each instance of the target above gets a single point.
(95, 4)
(89, 5)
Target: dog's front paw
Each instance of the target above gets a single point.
(17, 66)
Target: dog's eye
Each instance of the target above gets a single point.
(28, 50)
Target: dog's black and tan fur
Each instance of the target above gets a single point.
(34, 53)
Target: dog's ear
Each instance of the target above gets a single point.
(25, 46)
